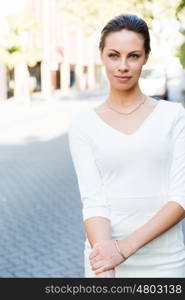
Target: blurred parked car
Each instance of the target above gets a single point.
(153, 81)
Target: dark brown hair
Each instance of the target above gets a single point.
(128, 22)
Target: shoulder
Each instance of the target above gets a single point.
(178, 109)
(180, 117)
(173, 108)
(80, 124)
(178, 112)
(171, 104)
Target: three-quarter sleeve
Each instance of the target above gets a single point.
(89, 178)
(177, 171)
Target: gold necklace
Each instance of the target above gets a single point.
(123, 113)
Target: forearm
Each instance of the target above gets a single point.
(97, 229)
(169, 215)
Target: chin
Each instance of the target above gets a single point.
(120, 87)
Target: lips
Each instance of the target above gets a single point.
(122, 78)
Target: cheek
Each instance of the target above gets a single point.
(110, 65)
(110, 69)
(137, 68)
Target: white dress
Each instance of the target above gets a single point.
(128, 178)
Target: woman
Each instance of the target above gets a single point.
(129, 157)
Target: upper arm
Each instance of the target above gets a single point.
(89, 178)
(177, 172)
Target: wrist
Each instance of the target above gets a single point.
(128, 246)
(119, 250)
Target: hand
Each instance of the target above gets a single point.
(107, 274)
(104, 256)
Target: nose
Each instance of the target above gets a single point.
(123, 65)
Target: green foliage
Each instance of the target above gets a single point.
(180, 12)
(180, 9)
(180, 6)
(20, 23)
(181, 54)
(16, 46)
(91, 14)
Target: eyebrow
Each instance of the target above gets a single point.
(128, 53)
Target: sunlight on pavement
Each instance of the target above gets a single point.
(21, 124)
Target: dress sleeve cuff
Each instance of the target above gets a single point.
(179, 200)
(95, 212)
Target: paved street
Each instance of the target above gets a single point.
(40, 210)
(41, 225)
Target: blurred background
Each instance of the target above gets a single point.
(51, 46)
(49, 69)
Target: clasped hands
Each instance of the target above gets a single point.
(104, 256)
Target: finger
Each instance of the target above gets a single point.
(107, 274)
(93, 253)
(103, 268)
(98, 265)
(103, 274)
(95, 259)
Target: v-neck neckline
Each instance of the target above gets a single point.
(137, 130)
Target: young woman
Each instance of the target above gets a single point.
(129, 157)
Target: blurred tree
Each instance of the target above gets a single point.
(17, 51)
(181, 17)
(91, 14)
(181, 54)
(180, 6)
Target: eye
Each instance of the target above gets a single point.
(113, 55)
(135, 55)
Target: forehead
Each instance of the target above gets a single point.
(124, 40)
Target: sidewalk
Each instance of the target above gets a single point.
(41, 225)
(43, 119)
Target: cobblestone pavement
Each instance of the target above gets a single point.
(41, 227)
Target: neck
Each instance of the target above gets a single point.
(125, 98)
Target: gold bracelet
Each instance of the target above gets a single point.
(116, 242)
